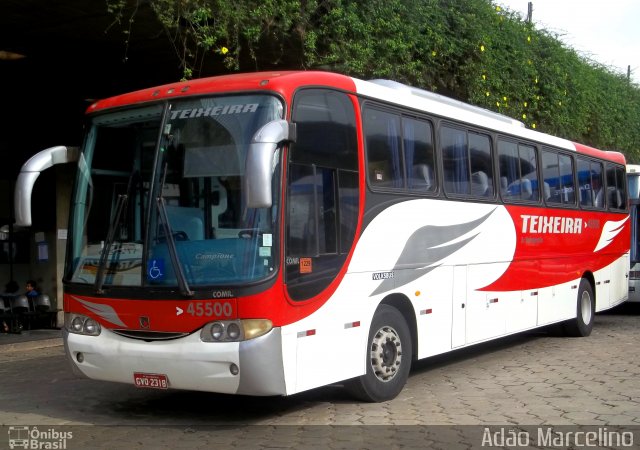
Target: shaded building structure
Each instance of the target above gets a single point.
(56, 57)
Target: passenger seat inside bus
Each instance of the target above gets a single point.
(480, 184)
(614, 198)
(504, 185)
(547, 191)
(526, 189)
(186, 220)
(422, 178)
(598, 200)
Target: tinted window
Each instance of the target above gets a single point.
(590, 183)
(400, 151)
(312, 206)
(326, 130)
(455, 160)
(557, 172)
(384, 149)
(466, 160)
(323, 197)
(518, 171)
(616, 191)
(419, 157)
(481, 165)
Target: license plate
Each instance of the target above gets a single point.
(150, 380)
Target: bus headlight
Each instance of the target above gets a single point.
(76, 325)
(235, 330)
(79, 324)
(91, 327)
(217, 331)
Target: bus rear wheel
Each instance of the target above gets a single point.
(389, 354)
(585, 312)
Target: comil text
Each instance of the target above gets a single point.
(551, 225)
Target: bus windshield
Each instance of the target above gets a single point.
(159, 201)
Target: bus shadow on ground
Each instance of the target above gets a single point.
(625, 309)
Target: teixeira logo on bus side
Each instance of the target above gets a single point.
(532, 224)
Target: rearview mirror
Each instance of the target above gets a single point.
(29, 174)
(260, 162)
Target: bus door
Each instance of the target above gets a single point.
(486, 311)
(459, 305)
(603, 288)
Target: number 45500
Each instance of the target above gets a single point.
(209, 309)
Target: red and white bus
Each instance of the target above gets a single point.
(270, 233)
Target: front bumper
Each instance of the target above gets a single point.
(187, 362)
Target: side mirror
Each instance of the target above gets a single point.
(259, 165)
(29, 174)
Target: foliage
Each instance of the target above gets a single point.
(472, 50)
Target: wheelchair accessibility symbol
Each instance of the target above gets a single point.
(155, 269)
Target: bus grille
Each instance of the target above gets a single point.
(150, 335)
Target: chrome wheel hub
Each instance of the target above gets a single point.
(585, 307)
(386, 353)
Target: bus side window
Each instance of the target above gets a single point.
(455, 160)
(616, 191)
(400, 152)
(481, 165)
(590, 183)
(419, 154)
(557, 171)
(566, 179)
(518, 171)
(384, 149)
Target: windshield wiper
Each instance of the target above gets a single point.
(171, 242)
(121, 204)
(102, 265)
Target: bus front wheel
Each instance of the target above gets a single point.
(585, 314)
(389, 355)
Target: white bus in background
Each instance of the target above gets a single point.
(633, 180)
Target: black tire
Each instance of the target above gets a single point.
(389, 354)
(585, 312)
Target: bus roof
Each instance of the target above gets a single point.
(280, 82)
(286, 82)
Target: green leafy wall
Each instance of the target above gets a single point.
(471, 50)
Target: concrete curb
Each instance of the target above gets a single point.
(31, 345)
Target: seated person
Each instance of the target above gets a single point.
(31, 289)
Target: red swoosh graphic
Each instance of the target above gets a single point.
(548, 259)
